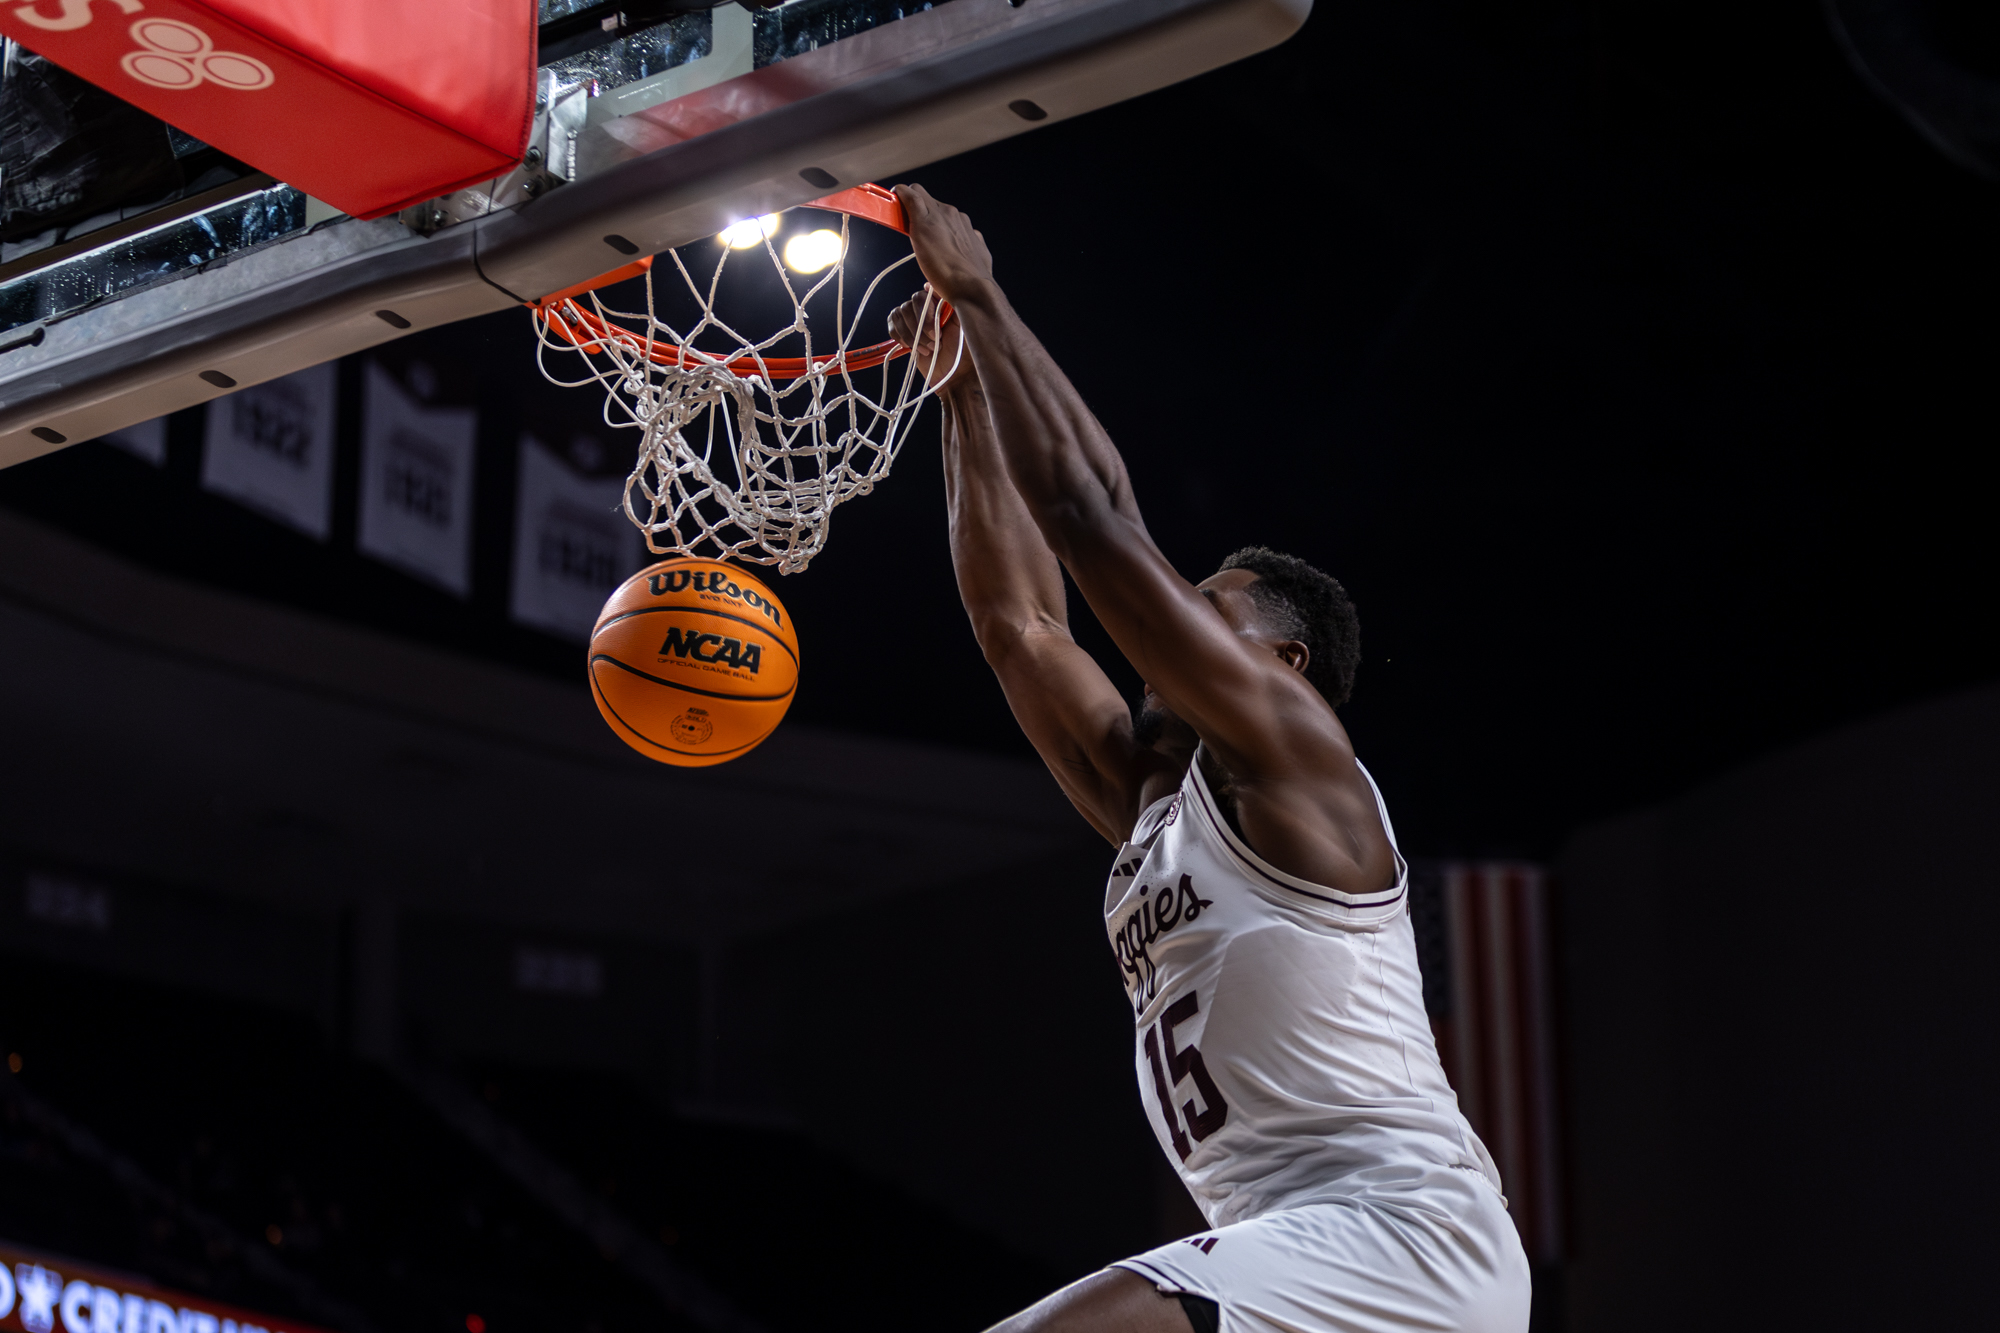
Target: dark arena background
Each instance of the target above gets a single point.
(1633, 367)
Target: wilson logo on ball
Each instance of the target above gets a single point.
(733, 652)
(717, 584)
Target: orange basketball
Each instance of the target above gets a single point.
(693, 662)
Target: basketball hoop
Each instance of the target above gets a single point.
(799, 435)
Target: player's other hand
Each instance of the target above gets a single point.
(918, 328)
(951, 253)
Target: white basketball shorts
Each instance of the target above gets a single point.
(1446, 1258)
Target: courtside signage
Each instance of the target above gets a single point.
(44, 1293)
(371, 105)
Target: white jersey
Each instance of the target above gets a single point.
(1283, 1052)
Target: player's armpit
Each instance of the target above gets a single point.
(1077, 722)
(1301, 799)
(1261, 716)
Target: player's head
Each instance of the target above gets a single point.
(1291, 606)
(1301, 604)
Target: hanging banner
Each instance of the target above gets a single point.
(416, 483)
(147, 440)
(572, 541)
(271, 448)
(41, 1293)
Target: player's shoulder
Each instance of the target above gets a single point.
(1322, 824)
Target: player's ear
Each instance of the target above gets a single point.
(1296, 655)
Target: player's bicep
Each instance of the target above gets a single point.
(1077, 722)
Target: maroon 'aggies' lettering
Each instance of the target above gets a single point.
(1134, 940)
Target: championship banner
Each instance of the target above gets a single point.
(370, 105)
(40, 1293)
(416, 484)
(572, 542)
(271, 448)
(147, 440)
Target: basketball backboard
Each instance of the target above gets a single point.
(654, 127)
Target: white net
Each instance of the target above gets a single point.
(744, 452)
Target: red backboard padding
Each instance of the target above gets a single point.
(371, 105)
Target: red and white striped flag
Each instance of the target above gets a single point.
(1493, 1015)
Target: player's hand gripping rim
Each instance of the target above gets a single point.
(950, 251)
(915, 324)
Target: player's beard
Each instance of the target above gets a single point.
(1148, 723)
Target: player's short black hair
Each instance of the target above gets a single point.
(1309, 605)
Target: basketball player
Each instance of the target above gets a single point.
(1257, 903)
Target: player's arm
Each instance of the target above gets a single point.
(1264, 721)
(1013, 593)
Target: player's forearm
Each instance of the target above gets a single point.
(1007, 576)
(1060, 460)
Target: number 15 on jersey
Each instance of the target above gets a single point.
(1183, 1063)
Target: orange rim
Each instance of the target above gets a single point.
(589, 332)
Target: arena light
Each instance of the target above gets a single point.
(813, 251)
(751, 231)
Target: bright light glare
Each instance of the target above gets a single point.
(749, 232)
(813, 251)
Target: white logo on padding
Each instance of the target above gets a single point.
(73, 14)
(179, 55)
